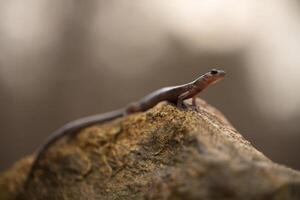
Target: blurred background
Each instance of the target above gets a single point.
(61, 60)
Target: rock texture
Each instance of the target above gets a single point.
(164, 153)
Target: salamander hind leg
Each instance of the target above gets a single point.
(132, 108)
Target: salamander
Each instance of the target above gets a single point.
(174, 94)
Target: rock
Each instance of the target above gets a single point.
(164, 153)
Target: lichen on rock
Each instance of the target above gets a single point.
(163, 153)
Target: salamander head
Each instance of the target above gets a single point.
(213, 76)
(209, 78)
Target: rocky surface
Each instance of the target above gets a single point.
(164, 153)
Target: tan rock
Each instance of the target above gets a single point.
(164, 153)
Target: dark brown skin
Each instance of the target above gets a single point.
(175, 95)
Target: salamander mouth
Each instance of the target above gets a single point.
(216, 80)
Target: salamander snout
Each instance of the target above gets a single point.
(217, 72)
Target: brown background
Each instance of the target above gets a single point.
(64, 60)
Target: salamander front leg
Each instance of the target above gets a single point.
(194, 103)
(184, 96)
(181, 98)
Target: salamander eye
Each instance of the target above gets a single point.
(214, 71)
